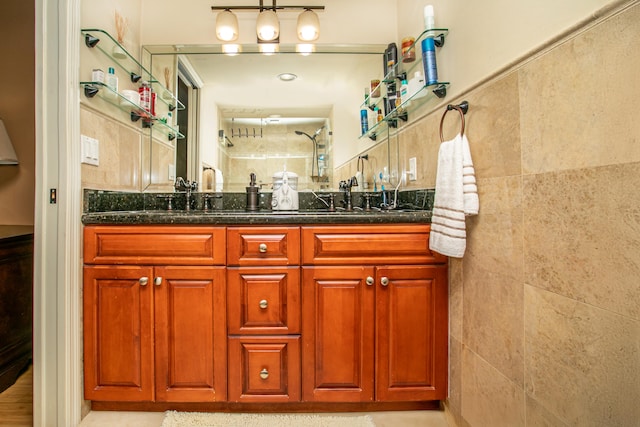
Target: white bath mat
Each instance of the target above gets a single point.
(218, 419)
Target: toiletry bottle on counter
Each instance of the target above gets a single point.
(429, 60)
(112, 82)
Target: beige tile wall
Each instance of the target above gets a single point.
(128, 162)
(120, 153)
(545, 305)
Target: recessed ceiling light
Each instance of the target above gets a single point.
(287, 77)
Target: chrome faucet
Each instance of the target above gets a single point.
(184, 185)
(346, 187)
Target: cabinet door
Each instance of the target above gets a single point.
(118, 333)
(264, 368)
(337, 334)
(190, 334)
(411, 333)
(263, 300)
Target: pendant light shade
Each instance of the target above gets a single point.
(268, 27)
(7, 153)
(308, 26)
(226, 26)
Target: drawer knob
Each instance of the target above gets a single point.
(262, 248)
(157, 281)
(263, 303)
(369, 281)
(264, 374)
(143, 281)
(384, 281)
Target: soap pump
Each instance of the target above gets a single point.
(252, 193)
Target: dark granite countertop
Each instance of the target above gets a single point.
(256, 218)
(122, 208)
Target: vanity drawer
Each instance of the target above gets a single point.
(263, 300)
(264, 369)
(174, 245)
(368, 244)
(263, 246)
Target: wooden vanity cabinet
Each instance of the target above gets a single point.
(374, 315)
(263, 310)
(264, 314)
(154, 332)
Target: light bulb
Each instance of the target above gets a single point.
(226, 26)
(268, 27)
(308, 26)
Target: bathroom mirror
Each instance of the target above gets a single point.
(251, 120)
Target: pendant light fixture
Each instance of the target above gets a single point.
(308, 26)
(267, 23)
(227, 26)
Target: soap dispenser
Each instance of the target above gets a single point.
(252, 193)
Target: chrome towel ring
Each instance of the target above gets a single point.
(462, 108)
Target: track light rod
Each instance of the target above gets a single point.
(266, 7)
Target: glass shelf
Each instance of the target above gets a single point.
(402, 67)
(402, 111)
(398, 72)
(94, 37)
(102, 91)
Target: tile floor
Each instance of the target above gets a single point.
(154, 419)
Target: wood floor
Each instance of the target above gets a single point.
(16, 402)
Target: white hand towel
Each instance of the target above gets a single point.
(455, 174)
(469, 188)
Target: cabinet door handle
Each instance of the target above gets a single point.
(384, 281)
(262, 248)
(263, 303)
(157, 281)
(264, 374)
(370, 281)
(143, 281)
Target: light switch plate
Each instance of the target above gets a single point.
(413, 169)
(172, 173)
(90, 150)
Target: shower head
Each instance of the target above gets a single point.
(299, 132)
(318, 131)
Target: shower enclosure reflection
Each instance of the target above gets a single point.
(266, 145)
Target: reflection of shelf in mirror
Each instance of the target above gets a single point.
(104, 92)
(124, 60)
(166, 97)
(402, 111)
